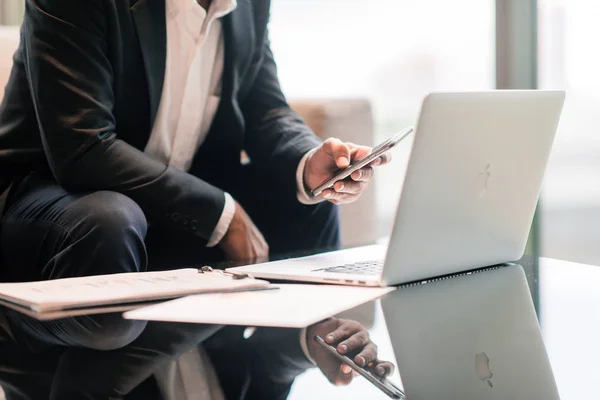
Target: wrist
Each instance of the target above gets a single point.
(320, 328)
(232, 226)
(308, 174)
(305, 344)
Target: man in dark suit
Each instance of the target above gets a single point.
(121, 135)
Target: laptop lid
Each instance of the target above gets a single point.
(470, 337)
(472, 183)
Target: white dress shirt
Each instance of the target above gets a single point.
(192, 92)
(191, 96)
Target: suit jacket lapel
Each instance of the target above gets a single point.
(238, 28)
(238, 31)
(239, 37)
(150, 21)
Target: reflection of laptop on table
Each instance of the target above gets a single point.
(470, 337)
(468, 198)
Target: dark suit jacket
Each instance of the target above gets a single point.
(85, 90)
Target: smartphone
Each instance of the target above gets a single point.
(382, 384)
(356, 165)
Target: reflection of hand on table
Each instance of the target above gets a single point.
(351, 338)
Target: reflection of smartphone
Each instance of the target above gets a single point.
(355, 166)
(383, 384)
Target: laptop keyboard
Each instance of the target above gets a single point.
(358, 268)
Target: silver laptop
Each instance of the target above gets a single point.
(468, 197)
(471, 337)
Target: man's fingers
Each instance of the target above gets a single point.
(364, 174)
(367, 355)
(339, 151)
(330, 195)
(344, 153)
(355, 342)
(343, 332)
(332, 373)
(340, 375)
(385, 158)
(339, 198)
(349, 187)
(345, 375)
(358, 152)
(384, 368)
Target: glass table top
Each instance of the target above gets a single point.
(567, 297)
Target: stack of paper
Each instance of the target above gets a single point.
(290, 306)
(111, 293)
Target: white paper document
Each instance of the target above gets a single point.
(119, 290)
(287, 306)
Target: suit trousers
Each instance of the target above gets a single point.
(49, 233)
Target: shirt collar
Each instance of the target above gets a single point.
(218, 8)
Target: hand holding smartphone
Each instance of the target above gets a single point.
(358, 164)
(382, 384)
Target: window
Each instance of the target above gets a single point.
(568, 59)
(388, 51)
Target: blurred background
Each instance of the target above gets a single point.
(395, 51)
(359, 70)
(391, 53)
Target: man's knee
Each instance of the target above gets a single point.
(109, 231)
(118, 223)
(105, 331)
(112, 214)
(113, 228)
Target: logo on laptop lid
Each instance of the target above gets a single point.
(482, 368)
(484, 178)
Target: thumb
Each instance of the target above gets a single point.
(339, 151)
(345, 376)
